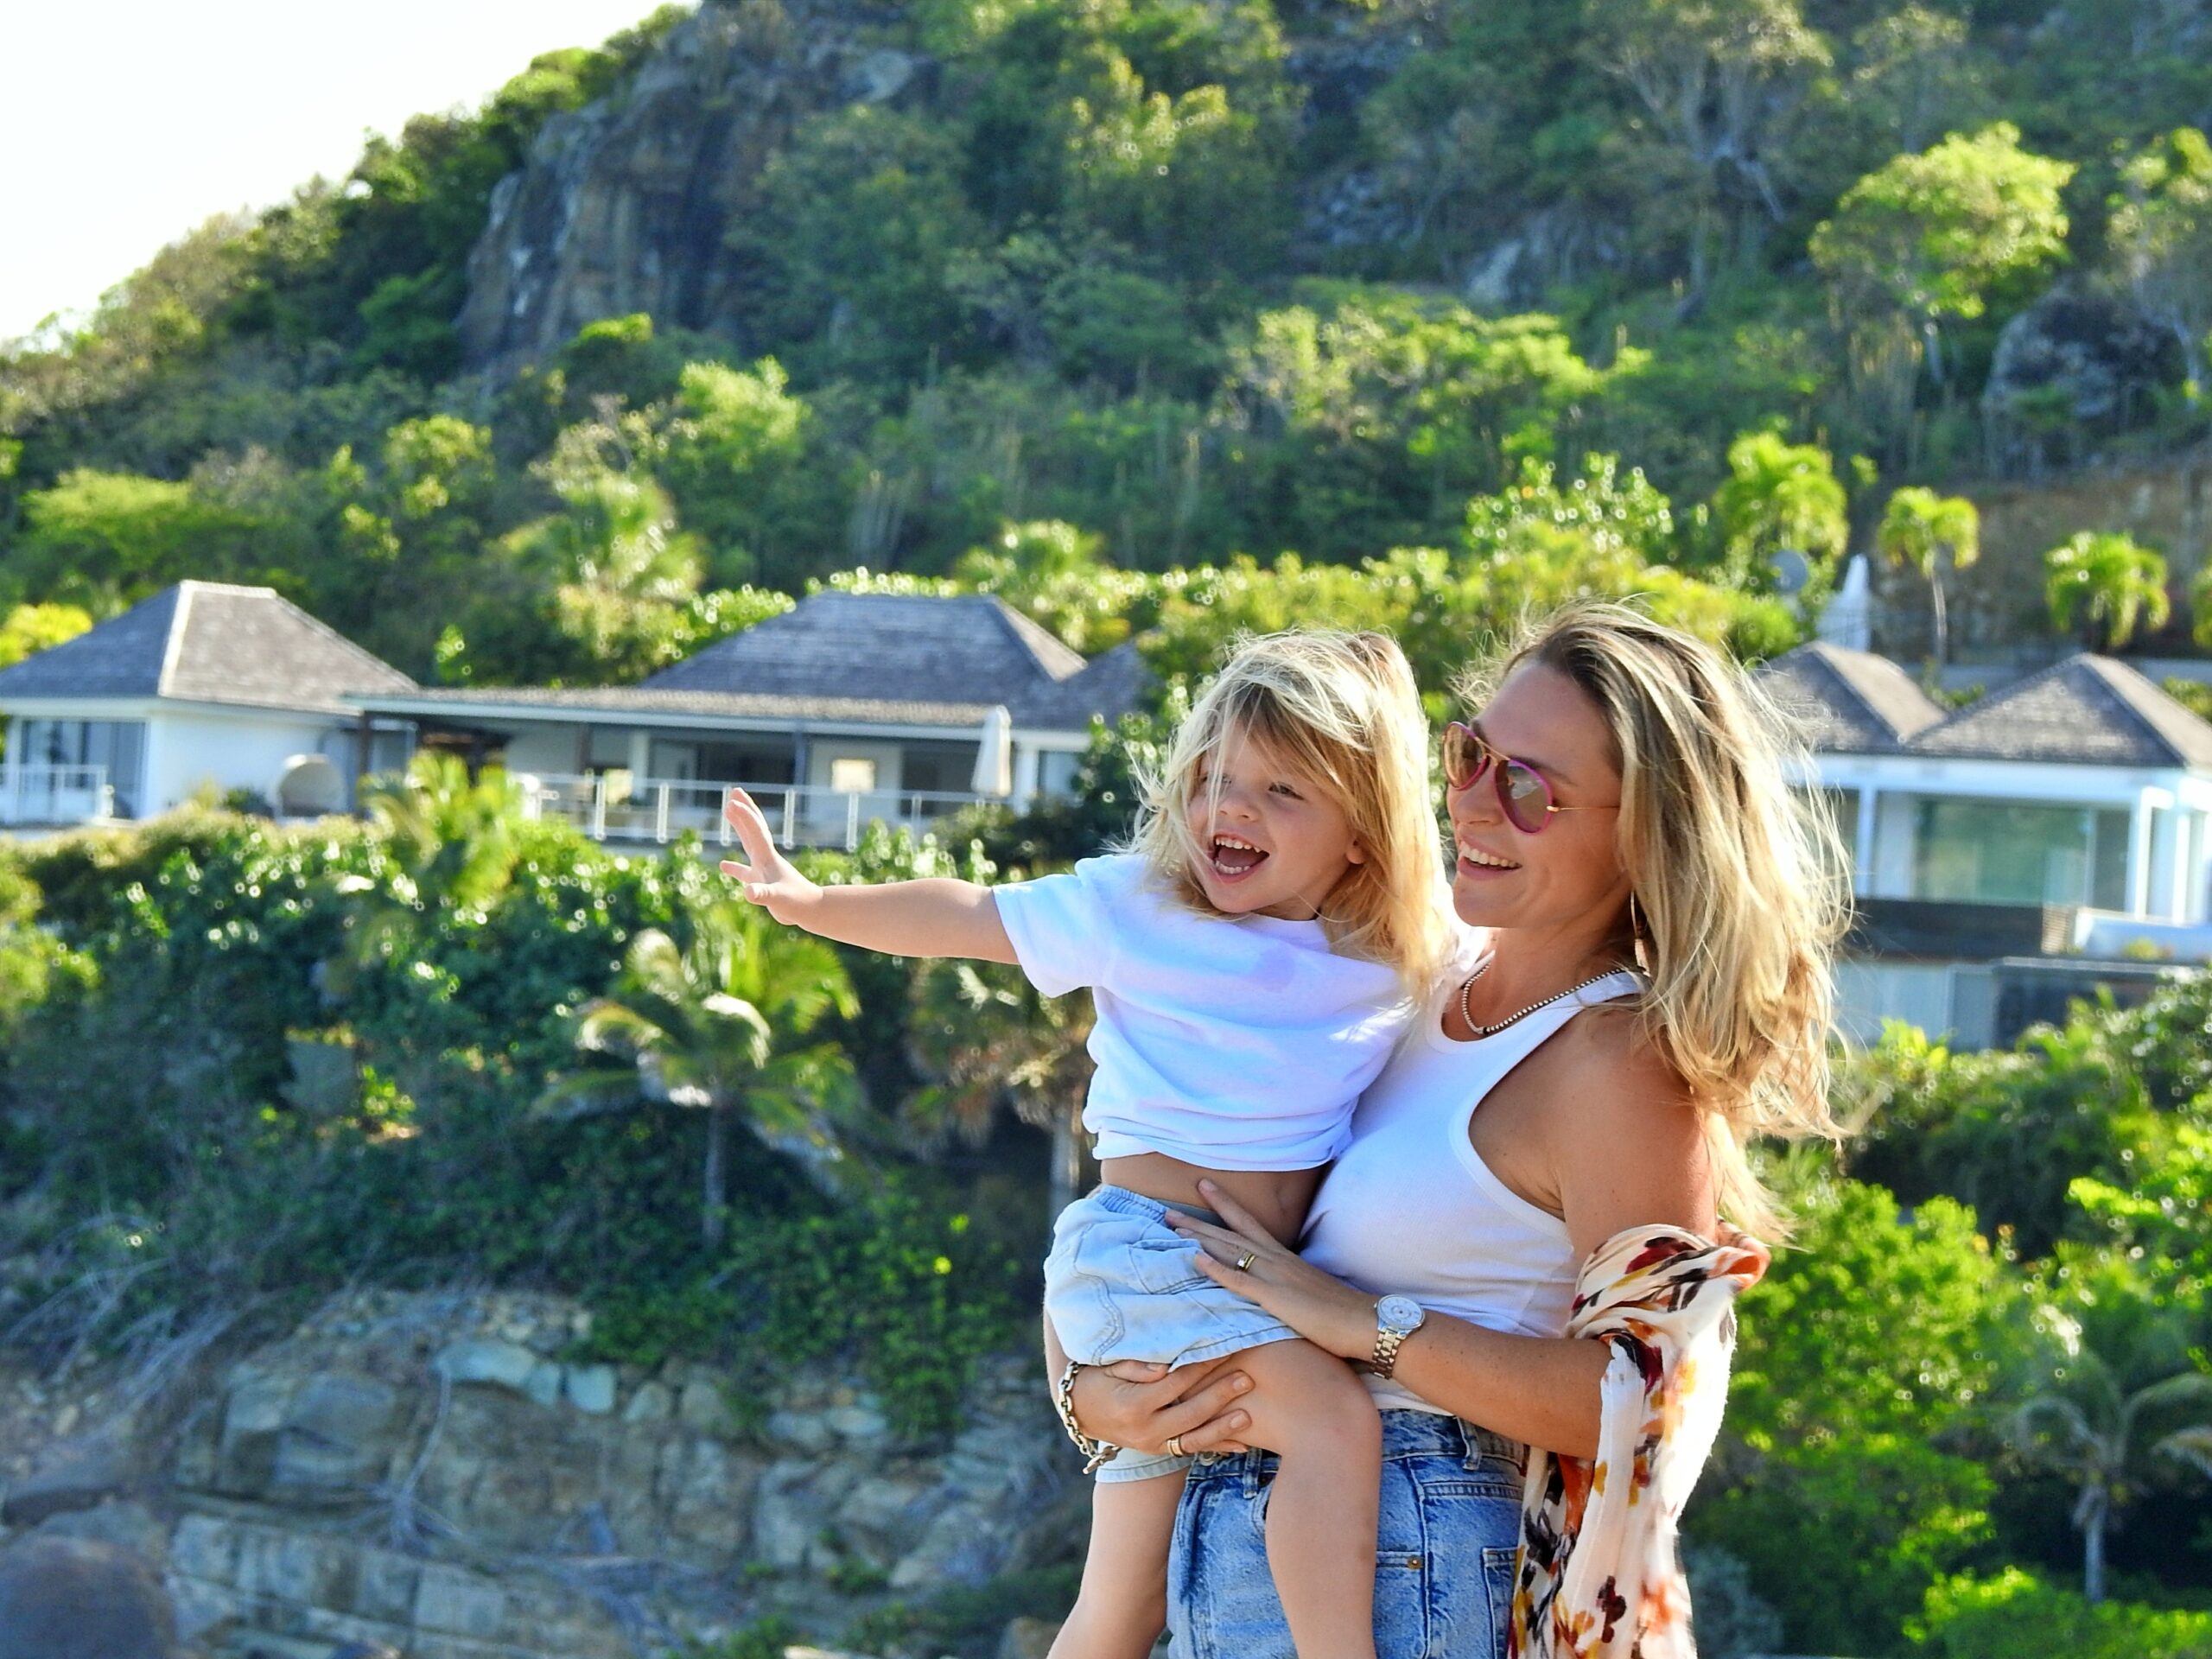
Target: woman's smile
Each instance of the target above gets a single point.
(1475, 865)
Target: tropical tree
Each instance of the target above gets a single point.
(1717, 77)
(1932, 533)
(451, 835)
(721, 1023)
(109, 539)
(2126, 1407)
(2162, 234)
(29, 629)
(412, 523)
(1058, 575)
(1779, 497)
(2107, 582)
(988, 1040)
(1925, 239)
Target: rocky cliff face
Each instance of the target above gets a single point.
(626, 204)
(424, 1474)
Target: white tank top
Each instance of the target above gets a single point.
(1412, 1208)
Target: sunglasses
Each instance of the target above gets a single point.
(1524, 794)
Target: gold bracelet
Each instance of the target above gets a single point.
(1095, 1452)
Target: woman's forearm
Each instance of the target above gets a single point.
(1540, 1389)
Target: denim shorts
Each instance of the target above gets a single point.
(1122, 1284)
(1445, 1548)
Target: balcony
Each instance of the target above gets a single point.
(50, 795)
(612, 807)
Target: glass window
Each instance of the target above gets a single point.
(116, 747)
(2108, 879)
(2020, 853)
(1056, 770)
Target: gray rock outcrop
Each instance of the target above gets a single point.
(2072, 368)
(434, 1475)
(626, 205)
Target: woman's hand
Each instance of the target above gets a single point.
(769, 879)
(1326, 1312)
(1143, 1407)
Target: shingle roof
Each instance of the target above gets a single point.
(2084, 710)
(208, 642)
(970, 649)
(634, 700)
(1849, 702)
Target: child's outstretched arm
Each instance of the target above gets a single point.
(933, 917)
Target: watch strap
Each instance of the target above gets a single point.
(1388, 1338)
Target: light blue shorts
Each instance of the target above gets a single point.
(1122, 1284)
(1450, 1526)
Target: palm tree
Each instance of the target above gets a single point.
(451, 836)
(988, 1040)
(453, 842)
(718, 1024)
(2109, 581)
(1780, 498)
(2111, 1440)
(1930, 532)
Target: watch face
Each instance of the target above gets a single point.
(1400, 1312)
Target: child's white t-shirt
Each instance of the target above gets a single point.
(1230, 1043)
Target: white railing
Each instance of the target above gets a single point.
(55, 794)
(661, 809)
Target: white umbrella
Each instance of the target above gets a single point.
(994, 756)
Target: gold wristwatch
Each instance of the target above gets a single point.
(1396, 1318)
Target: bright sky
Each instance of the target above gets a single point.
(123, 124)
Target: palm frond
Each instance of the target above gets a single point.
(585, 1094)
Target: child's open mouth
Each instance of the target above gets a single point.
(1233, 858)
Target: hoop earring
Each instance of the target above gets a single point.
(1635, 938)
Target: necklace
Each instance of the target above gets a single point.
(1481, 1031)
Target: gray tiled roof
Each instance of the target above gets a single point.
(2086, 709)
(972, 649)
(208, 642)
(1849, 702)
(632, 701)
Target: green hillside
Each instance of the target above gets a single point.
(1167, 283)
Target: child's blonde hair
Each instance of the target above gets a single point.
(1342, 710)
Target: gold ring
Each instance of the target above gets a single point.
(1244, 1262)
(1175, 1446)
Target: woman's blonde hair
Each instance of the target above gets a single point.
(1737, 892)
(1341, 708)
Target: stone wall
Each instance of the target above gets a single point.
(1998, 614)
(428, 1474)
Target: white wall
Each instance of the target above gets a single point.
(546, 750)
(242, 750)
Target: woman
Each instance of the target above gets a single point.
(1617, 805)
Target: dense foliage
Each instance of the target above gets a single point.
(1180, 277)
(352, 1051)
(1161, 321)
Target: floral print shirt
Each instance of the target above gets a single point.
(1599, 1577)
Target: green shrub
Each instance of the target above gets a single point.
(891, 1283)
(2014, 1615)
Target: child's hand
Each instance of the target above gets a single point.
(766, 875)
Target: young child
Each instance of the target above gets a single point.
(1255, 955)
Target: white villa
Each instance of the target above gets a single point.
(203, 685)
(848, 709)
(2083, 788)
